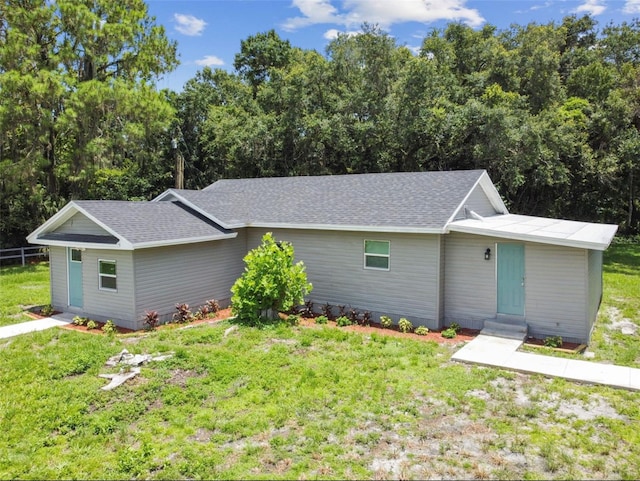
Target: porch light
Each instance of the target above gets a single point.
(487, 254)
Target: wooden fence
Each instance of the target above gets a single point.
(23, 253)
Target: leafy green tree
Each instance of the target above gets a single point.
(271, 282)
(77, 97)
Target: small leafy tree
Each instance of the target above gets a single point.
(271, 282)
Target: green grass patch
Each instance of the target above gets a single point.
(615, 337)
(20, 287)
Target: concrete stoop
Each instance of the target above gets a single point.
(507, 328)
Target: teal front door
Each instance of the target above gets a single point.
(74, 257)
(511, 279)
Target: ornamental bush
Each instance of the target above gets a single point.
(271, 283)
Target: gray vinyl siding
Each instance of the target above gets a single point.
(441, 281)
(555, 287)
(191, 273)
(477, 202)
(556, 291)
(595, 286)
(80, 224)
(334, 262)
(470, 284)
(103, 304)
(58, 276)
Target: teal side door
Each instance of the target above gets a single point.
(74, 261)
(511, 279)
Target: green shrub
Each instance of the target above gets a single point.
(271, 282)
(553, 341)
(449, 333)
(293, 320)
(343, 321)
(109, 327)
(46, 310)
(386, 322)
(79, 321)
(92, 325)
(405, 325)
(455, 326)
(422, 330)
(321, 319)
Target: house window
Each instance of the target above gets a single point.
(376, 254)
(107, 275)
(76, 255)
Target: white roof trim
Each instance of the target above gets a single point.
(490, 191)
(82, 245)
(64, 215)
(186, 240)
(542, 230)
(172, 193)
(353, 228)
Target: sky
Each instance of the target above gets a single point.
(209, 32)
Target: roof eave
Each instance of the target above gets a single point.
(566, 242)
(353, 228)
(182, 241)
(81, 245)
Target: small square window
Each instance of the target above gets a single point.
(107, 275)
(377, 254)
(76, 255)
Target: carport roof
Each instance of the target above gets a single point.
(539, 229)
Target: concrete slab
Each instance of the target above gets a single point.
(537, 364)
(30, 326)
(500, 352)
(487, 350)
(598, 373)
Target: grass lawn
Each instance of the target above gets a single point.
(294, 402)
(615, 337)
(20, 287)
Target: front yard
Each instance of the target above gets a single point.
(295, 402)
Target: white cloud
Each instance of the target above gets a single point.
(382, 12)
(332, 33)
(189, 25)
(209, 61)
(592, 7)
(632, 7)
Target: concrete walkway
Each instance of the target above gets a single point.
(32, 326)
(499, 352)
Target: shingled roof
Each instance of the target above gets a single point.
(408, 202)
(132, 225)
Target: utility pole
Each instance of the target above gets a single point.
(179, 164)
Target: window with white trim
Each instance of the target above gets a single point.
(107, 275)
(376, 254)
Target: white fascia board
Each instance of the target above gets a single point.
(353, 228)
(171, 193)
(527, 237)
(55, 221)
(188, 240)
(490, 191)
(82, 245)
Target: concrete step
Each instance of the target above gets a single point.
(506, 328)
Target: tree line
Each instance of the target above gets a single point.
(551, 111)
